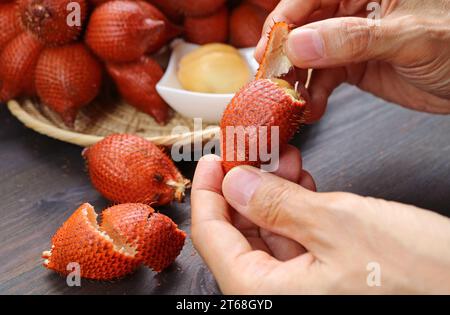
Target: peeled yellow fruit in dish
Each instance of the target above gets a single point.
(213, 68)
(207, 49)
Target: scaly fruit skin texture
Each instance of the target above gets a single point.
(67, 78)
(47, 19)
(136, 82)
(261, 103)
(208, 29)
(246, 23)
(129, 235)
(122, 31)
(9, 23)
(126, 168)
(17, 66)
(79, 240)
(198, 7)
(157, 238)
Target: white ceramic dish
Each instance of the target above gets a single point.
(207, 106)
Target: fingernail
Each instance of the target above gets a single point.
(211, 158)
(306, 44)
(240, 184)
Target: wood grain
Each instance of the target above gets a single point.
(363, 145)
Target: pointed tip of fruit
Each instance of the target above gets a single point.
(154, 25)
(179, 187)
(69, 118)
(162, 117)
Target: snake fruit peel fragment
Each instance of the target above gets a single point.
(127, 168)
(267, 109)
(128, 236)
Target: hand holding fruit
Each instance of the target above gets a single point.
(405, 60)
(261, 234)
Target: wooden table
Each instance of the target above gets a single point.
(363, 145)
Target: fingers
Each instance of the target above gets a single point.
(275, 204)
(294, 12)
(290, 169)
(341, 41)
(212, 233)
(224, 249)
(290, 164)
(281, 247)
(322, 84)
(307, 181)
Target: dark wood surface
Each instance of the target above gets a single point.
(363, 145)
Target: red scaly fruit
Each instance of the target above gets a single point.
(262, 104)
(10, 25)
(17, 65)
(198, 7)
(246, 24)
(136, 82)
(101, 256)
(67, 78)
(170, 30)
(126, 168)
(157, 238)
(267, 5)
(208, 29)
(122, 31)
(48, 19)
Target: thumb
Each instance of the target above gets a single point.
(279, 206)
(341, 41)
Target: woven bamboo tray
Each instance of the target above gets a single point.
(99, 120)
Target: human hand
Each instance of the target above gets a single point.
(405, 60)
(260, 234)
(207, 193)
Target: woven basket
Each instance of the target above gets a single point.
(99, 120)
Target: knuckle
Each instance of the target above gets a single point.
(269, 202)
(343, 201)
(347, 205)
(358, 38)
